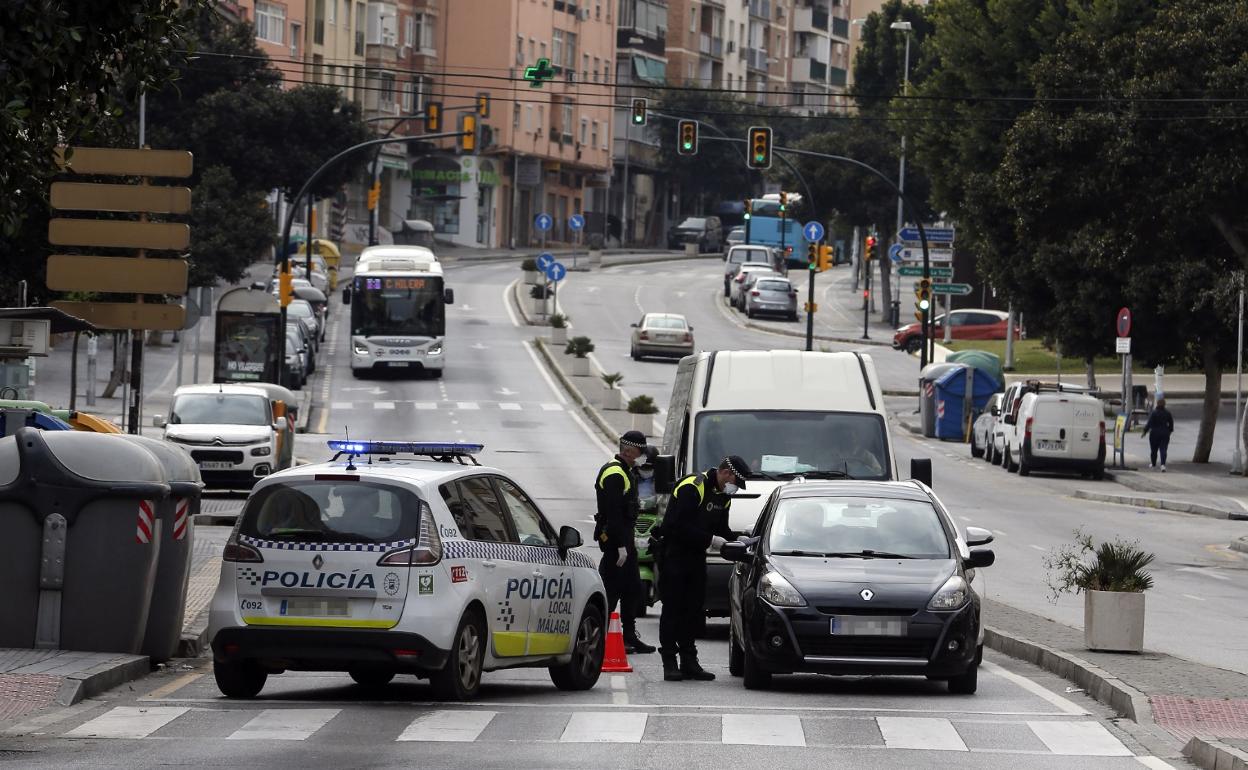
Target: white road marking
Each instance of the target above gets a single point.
(1035, 688)
(927, 733)
(604, 727)
(1204, 571)
(467, 406)
(619, 683)
(1195, 598)
(1082, 739)
(128, 722)
(528, 346)
(506, 392)
(424, 406)
(447, 726)
(383, 404)
(762, 730)
(637, 300)
(1000, 532)
(552, 407)
(509, 407)
(1036, 547)
(508, 291)
(342, 405)
(284, 724)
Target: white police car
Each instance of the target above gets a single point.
(402, 558)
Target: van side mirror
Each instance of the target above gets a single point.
(448, 296)
(1009, 419)
(569, 538)
(159, 421)
(664, 474)
(346, 295)
(921, 470)
(996, 411)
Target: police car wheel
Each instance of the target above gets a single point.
(371, 677)
(965, 683)
(460, 678)
(239, 680)
(582, 672)
(753, 675)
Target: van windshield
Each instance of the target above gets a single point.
(785, 444)
(219, 409)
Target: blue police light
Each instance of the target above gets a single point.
(428, 448)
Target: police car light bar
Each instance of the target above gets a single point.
(445, 450)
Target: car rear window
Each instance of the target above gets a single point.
(693, 222)
(325, 511)
(774, 286)
(851, 525)
(665, 322)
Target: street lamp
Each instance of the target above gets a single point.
(902, 26)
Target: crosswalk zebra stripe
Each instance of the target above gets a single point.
(763, 730)
(383, 404)
(340, 405)
(920, 733)
(604, 727)
(509, 406)
(284, 724)
(447, 726)
(553, 407)
(467, 406)
(127, 722)
(1086, 739)
(425, 406)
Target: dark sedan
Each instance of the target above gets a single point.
(856, 578)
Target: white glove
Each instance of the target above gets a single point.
(621, 557)
(717, 542)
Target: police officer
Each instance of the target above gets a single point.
(616, 490)
(696, 519)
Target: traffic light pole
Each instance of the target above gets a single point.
(866, 300)
(810, 307)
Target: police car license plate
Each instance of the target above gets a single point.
(850, 626)
(315, 608)
(1053, 446)
(215, 465)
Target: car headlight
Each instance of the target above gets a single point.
(360, 350)
(778, 591)
(952, 595)
(261, 451)
(434, 349)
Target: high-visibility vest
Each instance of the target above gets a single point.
(614, 468)
(696, 482)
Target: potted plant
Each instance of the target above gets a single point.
(613, 397)
(529, 266)
(643, 409)
(559, 328)
(579, 348)
(1113, 580)
(539, 293)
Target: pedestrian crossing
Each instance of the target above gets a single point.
(446, 406)
(978, 733)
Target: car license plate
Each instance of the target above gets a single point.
(395, 364)
(215, 465)
(1053, 446)
(850, 626)
(315, 608)
(667, 338)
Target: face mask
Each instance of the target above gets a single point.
(639, 461)
(730, 488)
(647, 474)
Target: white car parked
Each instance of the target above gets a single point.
(229, 430)
(1056, 431)
(425, 563)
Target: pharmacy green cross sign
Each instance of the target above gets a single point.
(535, 75)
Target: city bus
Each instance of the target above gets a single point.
(765, 227)
(398, 302)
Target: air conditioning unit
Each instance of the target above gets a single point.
(583, 14)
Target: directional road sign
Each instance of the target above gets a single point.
(543, 222)
(813, 231)
(934, 234)
(934, 272)
(576, 222)
(556, 272)
(1123, 326)
(545, 260)
(914, 253)
(894, 252)
(959, 289)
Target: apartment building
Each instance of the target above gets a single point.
(281, 31)
(819, 63)
(638, 205)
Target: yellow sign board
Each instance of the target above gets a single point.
(119, 234)
(73, 272)
(112, 161)
(125, 315)
(121, 197)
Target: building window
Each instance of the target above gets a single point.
(270, 21)
(423, 39)
(693, 19)
(606, 72)
(296, 34)
(584, 131)
(519, 49)
(595, 69)
(333, 12)
(569, 51)
(359, 28)
(569, 120)
(532, 50)
(593, 135)
(515, 117)
(387, 91)
(541, 117)
(556, 48)
(585, 67)
(409, 97)
(318, 22)
(409, 31)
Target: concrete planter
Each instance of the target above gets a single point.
(539, 306)
(691, 249)
(530, 277)
(642, 422)
(559, 336)
(579, 367)
(612, 398)
(1113, 621)
(595, 257)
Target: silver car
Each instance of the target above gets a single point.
(737, 287)
(735, 236)
(737, 256)
(661, 334)
(771, 295)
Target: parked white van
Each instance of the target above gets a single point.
(1056, 431)
(789, 414)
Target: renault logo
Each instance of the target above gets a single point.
(867, 594)
(317, 561)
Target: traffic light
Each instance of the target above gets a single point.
(286, 286)
(869, 254)
(784, 202)
(812, 257)
(759, 147)
(923, 295)
(483, 104)
(374, 195)
(687, 137)
(468, 132)
(746, 215)
(639, 112)
(825, 257)
(433, 117)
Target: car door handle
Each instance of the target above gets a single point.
(489, 564)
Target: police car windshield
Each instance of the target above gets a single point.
(220, 409)
(784, 444)
(308, 511)
(857, 527)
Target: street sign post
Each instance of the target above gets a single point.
(1123, 324)
(576, 223)
(813, 231)
(934, 272)
(956, 289)
(555, 272)
(934, 234)
(894, 254)
(543, 222)
(1122, 346)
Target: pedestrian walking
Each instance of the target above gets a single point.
(616, 489)
(1158, 429)
(696, 519)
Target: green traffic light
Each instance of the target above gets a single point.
(924, 304)
(687, 145)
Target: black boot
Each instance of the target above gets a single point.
(671, 670)
(633, 644)
(691, 669)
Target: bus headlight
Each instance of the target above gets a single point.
(360, 350)
(434, 349)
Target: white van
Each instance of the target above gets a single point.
(1056, 431)
(789, 414)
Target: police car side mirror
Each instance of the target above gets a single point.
(735, 551)
(346, 295)
(664, 474)
(921, 470)
(569, 538)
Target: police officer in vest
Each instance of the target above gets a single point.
(696, 519)
(616, 490)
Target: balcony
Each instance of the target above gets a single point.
(756, 58)
(761, 9)
(840, 28)
(808, 69)
(711, 46)
(810, 19)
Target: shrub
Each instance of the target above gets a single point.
(1086, 566)
(642, 405)
(579, 347)
(529, 265)
(559, 321)
(611, 380)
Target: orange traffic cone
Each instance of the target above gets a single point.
(615, 660)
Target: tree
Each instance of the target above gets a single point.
(231, 227)
(879, 65)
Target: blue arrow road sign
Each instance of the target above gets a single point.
(556, 272)
(576, 222)
(813, 231)
(934, 234)
(543, 222)
(545, 260)
(894, 252)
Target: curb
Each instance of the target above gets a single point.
(915, 429)
(194, 639)
(1240, 545)
(1212, 754)
(88, 684)
(305, 411)
(1177, 506)
(587, 409)
(1096, 681)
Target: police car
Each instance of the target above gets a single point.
(400, 557)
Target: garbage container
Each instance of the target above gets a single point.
(955, 408)
(79, 540)
(927, 395)
(13, 418)
(177, 533)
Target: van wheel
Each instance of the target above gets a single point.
(965, 683)
(582, 672)
(239, 680)
(460, 677)
(1098, 473)
(752, 674)
(1024, 468)
(975, 450)
(371, 677)
(988, 454)
(1010, 467)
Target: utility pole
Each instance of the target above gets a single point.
(1237, 459)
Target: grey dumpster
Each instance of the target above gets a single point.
(79, 540)
(927, 395)
(177, 535)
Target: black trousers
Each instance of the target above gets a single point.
(1157, 444)
(682, 587)
(623, 585)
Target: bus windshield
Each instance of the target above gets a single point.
(789, 443)
(400, 306)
